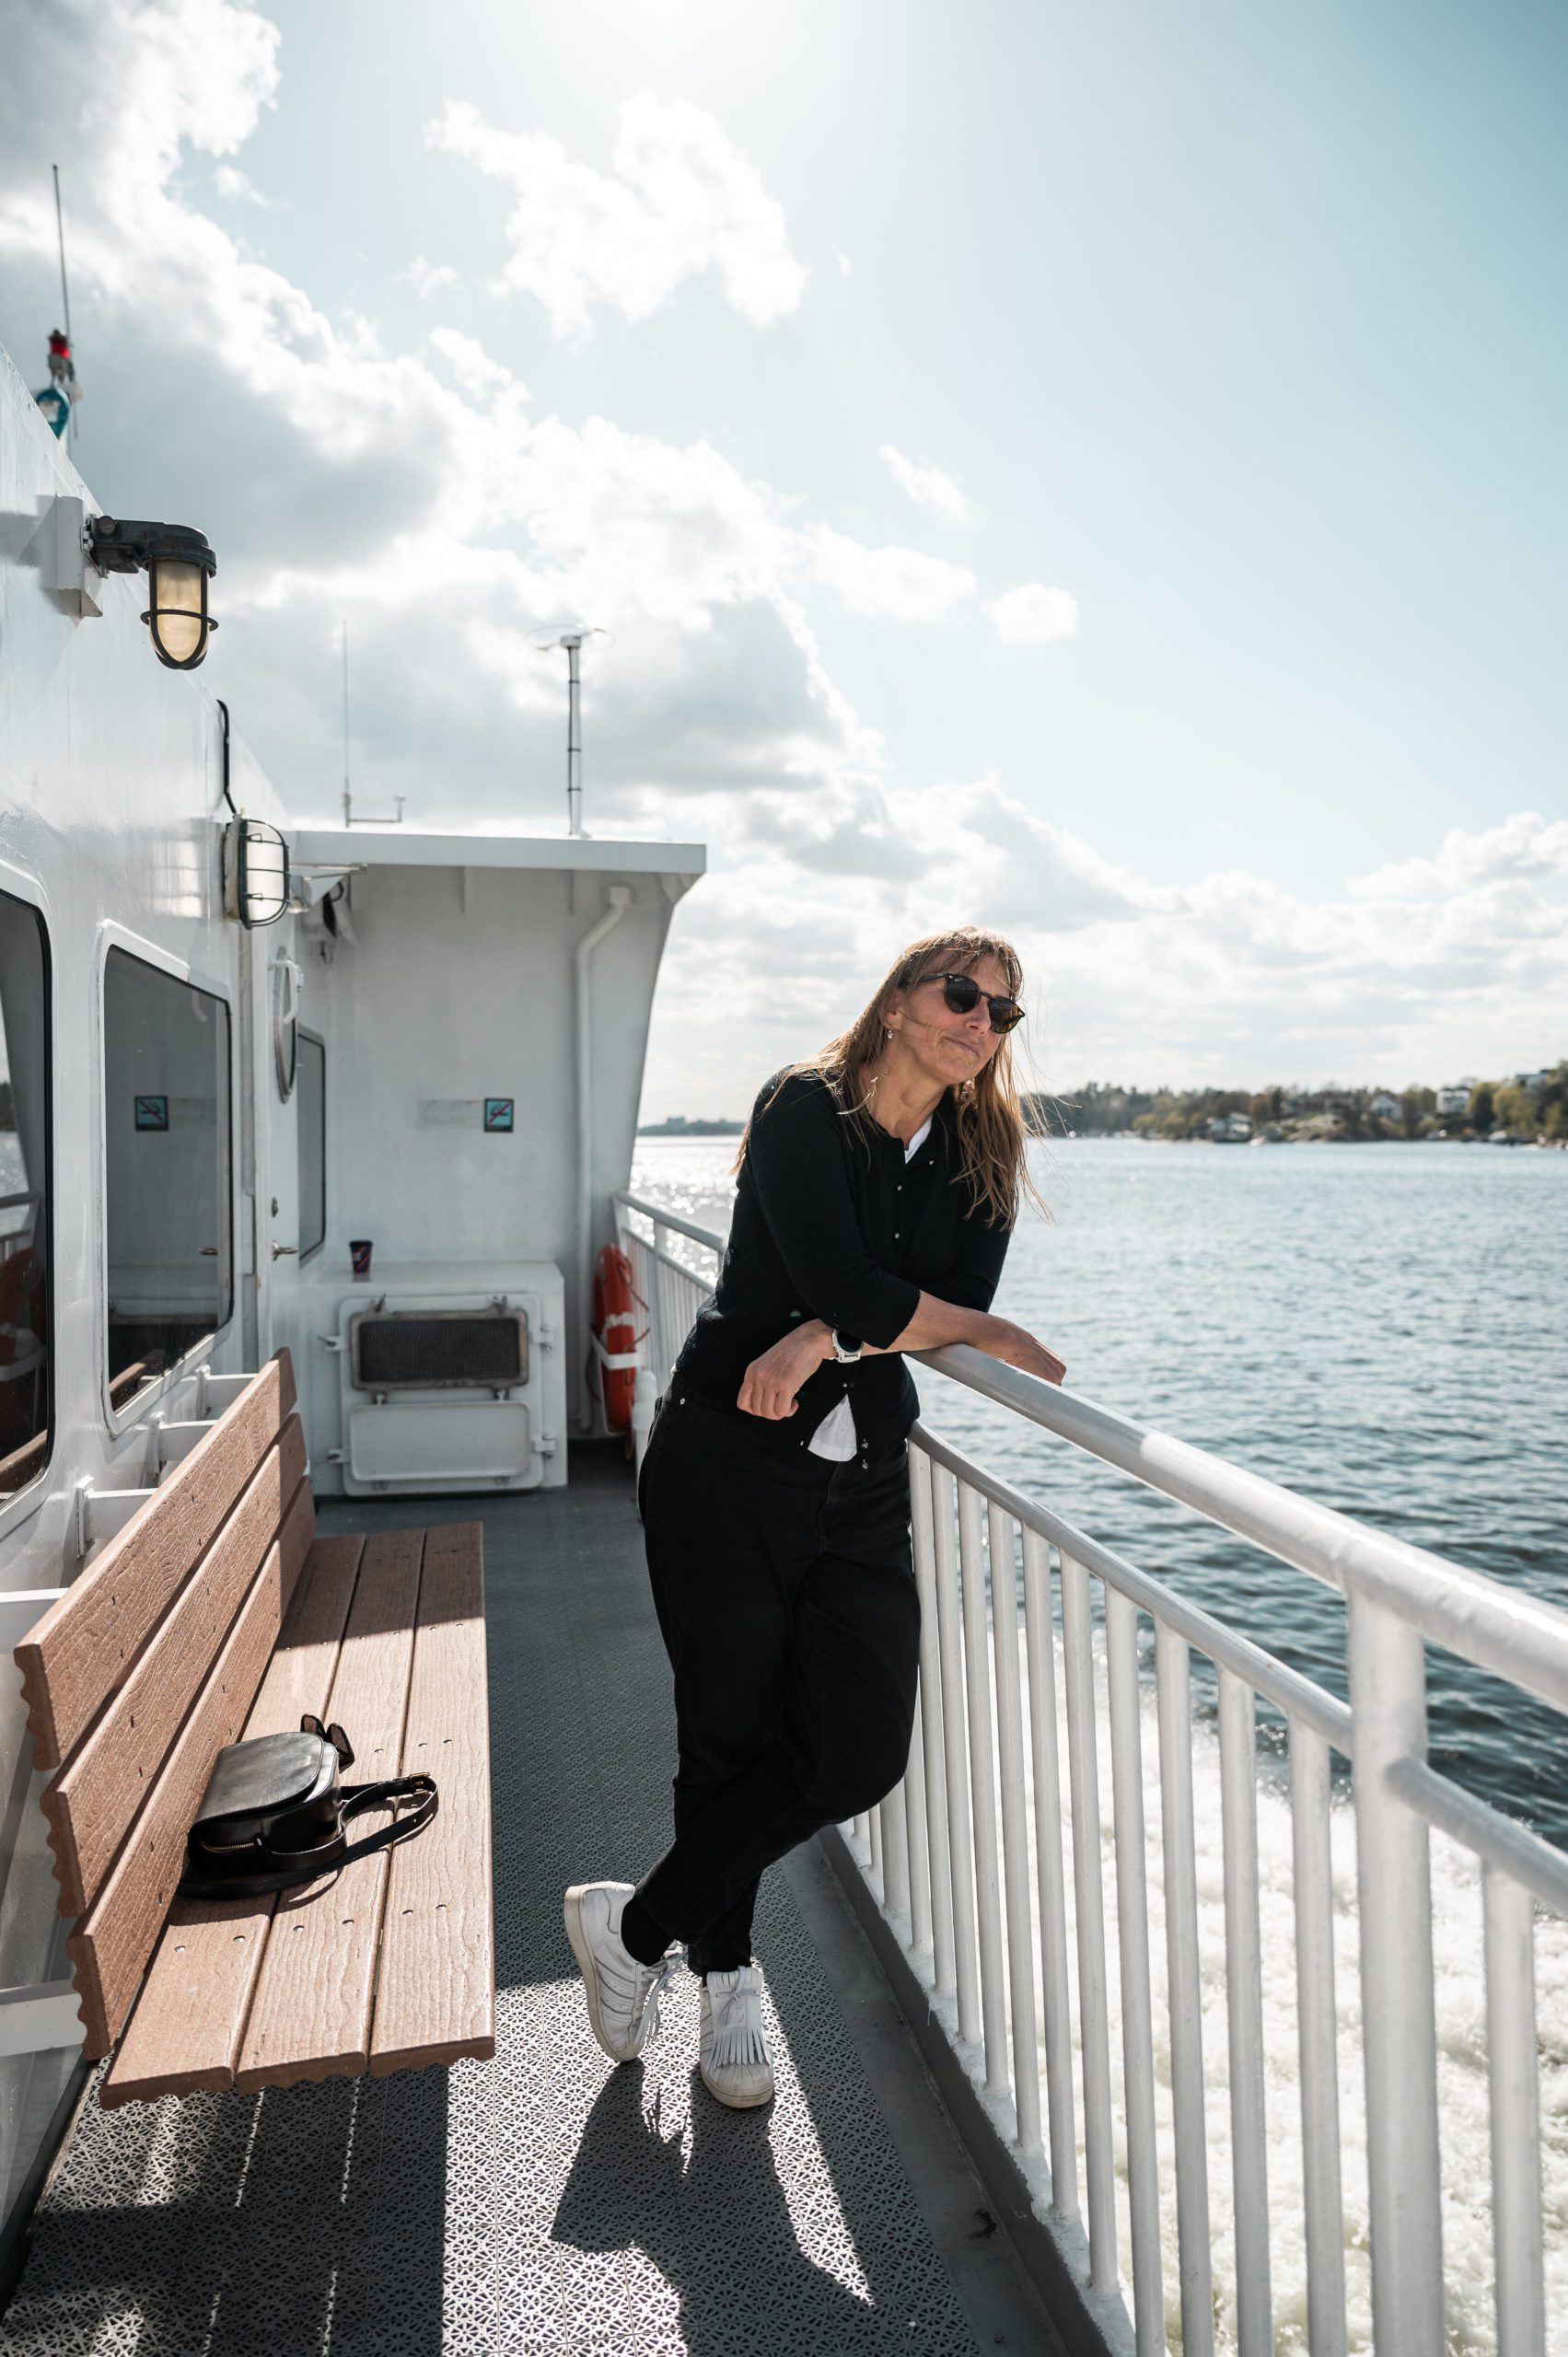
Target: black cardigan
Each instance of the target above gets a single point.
(831, 1223)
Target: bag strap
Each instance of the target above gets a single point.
(306, 1864)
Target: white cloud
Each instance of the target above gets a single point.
(1523, 846)
(1225, 980)
(901, 584)
(680, 201)
(926, 485)
(472, 366)
(231, 183)
(428, 278)
(1033, 614)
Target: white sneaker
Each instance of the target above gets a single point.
(736, 2065)
(623, 1994)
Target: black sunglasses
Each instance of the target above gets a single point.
(962, 993)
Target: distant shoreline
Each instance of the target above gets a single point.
(710, 1131)
(677, 1126)
(1527, 1109)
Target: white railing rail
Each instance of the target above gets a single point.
(1027, 1914)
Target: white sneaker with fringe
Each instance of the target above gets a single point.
(733, 2059)
(622, 1995)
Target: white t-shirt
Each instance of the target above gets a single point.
(835, 1435)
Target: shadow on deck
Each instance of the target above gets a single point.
(544, 2201)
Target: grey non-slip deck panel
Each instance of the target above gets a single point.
(543, 2202)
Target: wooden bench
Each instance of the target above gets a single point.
(217, 1612)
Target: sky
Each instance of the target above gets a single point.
(1093, 472)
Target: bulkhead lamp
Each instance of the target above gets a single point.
(179, 564)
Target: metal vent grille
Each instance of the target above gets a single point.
(440, 1350)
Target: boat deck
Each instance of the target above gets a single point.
(546, 2201)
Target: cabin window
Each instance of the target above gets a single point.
(165, 1076)
(27, 1383)
(310, 1093)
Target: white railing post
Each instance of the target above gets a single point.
(935, 1783)
(645, 1391)
(895, 1854)
(1316, 2038)
(1088, 1902)
(1051, 1880)
(917, 1840)
(1244, 2017)
(1516, 2116)
(1387, 1688)
(961, 1838)
(1014, 1832)
(983, 1794)
(1184, 1984)
(1137, 2005)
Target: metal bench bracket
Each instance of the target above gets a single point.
(33, 2020)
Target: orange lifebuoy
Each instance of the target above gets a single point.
(617, 1334)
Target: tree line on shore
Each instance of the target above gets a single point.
(1535, 1107)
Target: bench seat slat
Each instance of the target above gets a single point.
(310, 2017)
(111, 1943)
(436, 1989)
(86, 1645)
(95, 1797)
(186, 2029)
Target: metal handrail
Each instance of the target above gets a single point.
(624, 1202)
(1520, 1637)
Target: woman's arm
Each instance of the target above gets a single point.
(773, 1380)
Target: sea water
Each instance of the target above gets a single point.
(1381, 1327)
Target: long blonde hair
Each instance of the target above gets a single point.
(992, 1122)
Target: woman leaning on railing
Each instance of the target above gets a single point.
(878, 1188)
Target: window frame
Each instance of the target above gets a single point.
(111, 935)
(20, 1505)
(315, 1040)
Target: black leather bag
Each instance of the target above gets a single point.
(274, 1811)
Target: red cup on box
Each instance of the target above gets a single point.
(359, 1252)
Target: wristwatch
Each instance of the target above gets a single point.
(846, 1349)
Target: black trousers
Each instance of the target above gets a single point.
(787, 1596)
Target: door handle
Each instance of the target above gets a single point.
(280, 1250)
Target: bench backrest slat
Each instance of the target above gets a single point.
(87, 1646)
(114, 1939)
(95, 1797)
(186, 2029)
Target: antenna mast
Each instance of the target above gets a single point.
(548, 641)
(348, 798)
(64, 290)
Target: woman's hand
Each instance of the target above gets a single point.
(1016, 1346)
(773, 1380)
